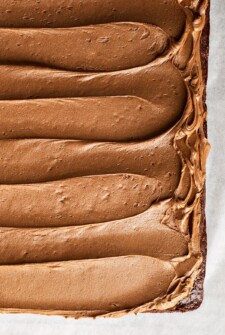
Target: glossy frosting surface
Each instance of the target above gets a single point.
(102, 155)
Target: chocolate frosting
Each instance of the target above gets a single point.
(129, 45)
(74, 13)
(102, 155)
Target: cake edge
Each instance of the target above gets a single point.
(196, 295)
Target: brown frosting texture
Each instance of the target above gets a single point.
(129, 45)
(102, 155)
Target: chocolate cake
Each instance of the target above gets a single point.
(103, 149)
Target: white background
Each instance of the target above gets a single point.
(210, 318)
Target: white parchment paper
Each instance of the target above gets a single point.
(210, 318)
